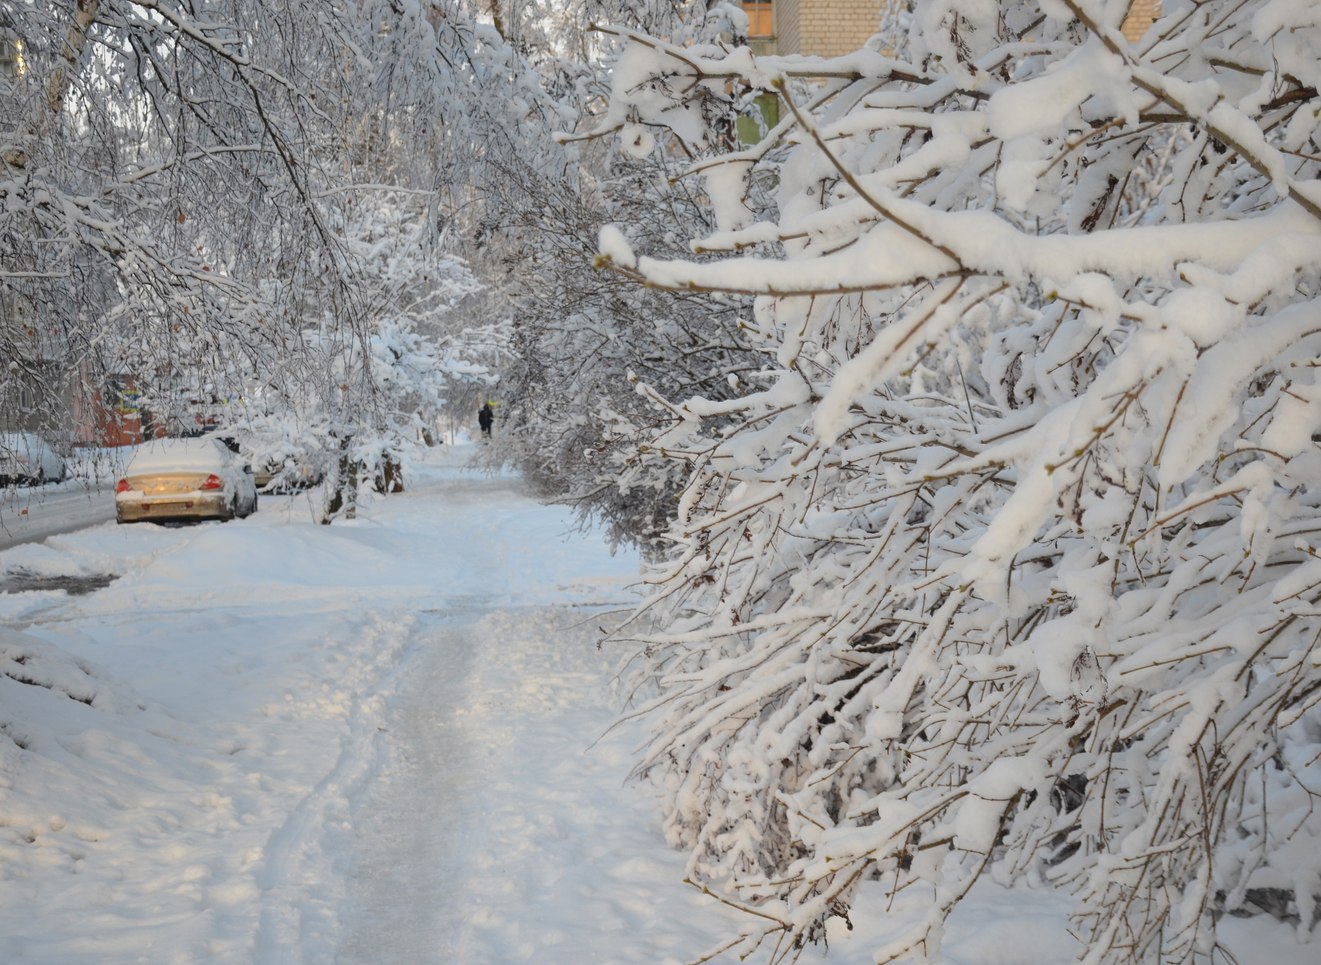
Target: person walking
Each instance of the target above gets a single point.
(486, 416)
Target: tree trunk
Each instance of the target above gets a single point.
(343, 496)
(75, 42)
(84, 14)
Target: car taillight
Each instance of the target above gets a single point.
(213, 482)
(123, 486)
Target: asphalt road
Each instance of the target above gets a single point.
(30, 514)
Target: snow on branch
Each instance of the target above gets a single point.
(1006, 563)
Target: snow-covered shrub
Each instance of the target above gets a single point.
(1007, 562)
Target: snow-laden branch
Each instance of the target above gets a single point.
(1007, 562)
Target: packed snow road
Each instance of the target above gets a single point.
(28, 514)
(273, 741)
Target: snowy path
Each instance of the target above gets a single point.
(408, 845)
(496, 834)
(274, 742)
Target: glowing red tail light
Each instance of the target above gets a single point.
(213, 482)
(123, 486)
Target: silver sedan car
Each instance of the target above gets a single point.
(173, 479)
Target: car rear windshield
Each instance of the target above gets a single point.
(175, 454)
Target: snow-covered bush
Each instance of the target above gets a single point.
(1006, 563)
(576, 427)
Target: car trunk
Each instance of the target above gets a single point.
(162, 484)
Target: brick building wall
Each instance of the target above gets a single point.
(1141, 15)
(830, 28)
(826, 28)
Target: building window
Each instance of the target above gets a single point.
(761, 18)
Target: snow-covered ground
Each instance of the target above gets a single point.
(384, 741)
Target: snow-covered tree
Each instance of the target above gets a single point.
(159, 160)
(378, 396)
(449, 104)
(1005, 564)
(245, 201)
(572, 420)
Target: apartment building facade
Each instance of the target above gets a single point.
(831, 28)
